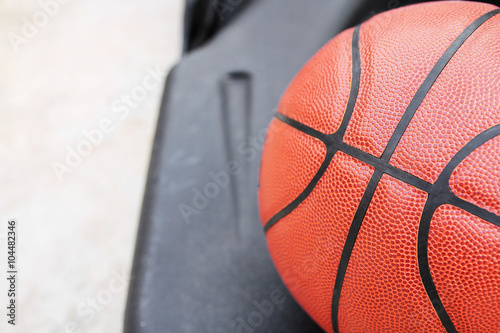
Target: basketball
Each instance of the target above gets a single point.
(380, 176)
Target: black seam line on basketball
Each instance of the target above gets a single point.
(429, 82)
(358, 154)
(482, 213)
(297, 201)
(442, 187)
(385, 167)
(424, 268)
(355, 82)
(303, 128)
(349, 243)
(337, 136)
(389, 150)
(441, 194)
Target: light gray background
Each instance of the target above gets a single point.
(77, 234)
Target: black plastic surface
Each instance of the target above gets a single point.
(204, 18)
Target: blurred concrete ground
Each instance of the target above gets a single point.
(79, 98)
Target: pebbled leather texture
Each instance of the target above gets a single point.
(425, 254)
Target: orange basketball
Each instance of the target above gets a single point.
(380, 177)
